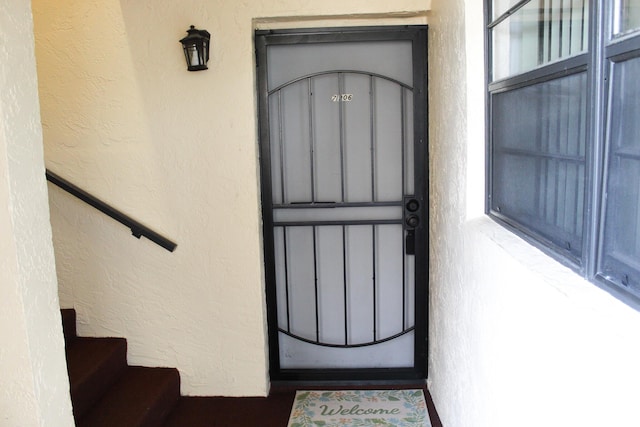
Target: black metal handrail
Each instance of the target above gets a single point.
(137, 229)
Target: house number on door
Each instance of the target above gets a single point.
(344, 97)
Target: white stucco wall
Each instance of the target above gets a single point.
(178, 151)
(515, 338)
(35, 388)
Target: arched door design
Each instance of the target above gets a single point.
(343, 157)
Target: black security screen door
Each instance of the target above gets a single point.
(343, 141)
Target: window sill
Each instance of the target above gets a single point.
(549, 271)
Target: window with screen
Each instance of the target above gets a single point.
(564, 132)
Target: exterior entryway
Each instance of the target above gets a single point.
(343, 140)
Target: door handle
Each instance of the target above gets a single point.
(410, 243)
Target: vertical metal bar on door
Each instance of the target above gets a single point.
(286, 275)
(315, 278)
(313, 199)
(342, 136)
(311, 140)
(284, 198)
(372, 115)
(403, 139)
(344, 282)
(281, 142)
(373, 280)
(343, 199)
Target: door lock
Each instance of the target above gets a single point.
(412, 221)
(411, 214)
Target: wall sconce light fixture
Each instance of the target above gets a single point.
(196, 48)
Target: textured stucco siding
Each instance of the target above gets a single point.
(516, 339)
(35, 388)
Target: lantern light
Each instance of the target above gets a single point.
(196, 48)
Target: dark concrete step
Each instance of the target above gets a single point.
(142, 397)
(93, 364)
(105, 391)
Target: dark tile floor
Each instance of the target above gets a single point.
(272, 411)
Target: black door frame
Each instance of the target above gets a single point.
(418, 36)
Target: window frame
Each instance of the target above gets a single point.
(603, 50)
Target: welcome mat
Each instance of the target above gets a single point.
(391, 408)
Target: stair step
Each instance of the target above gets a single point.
(93, 364)
(141, 397)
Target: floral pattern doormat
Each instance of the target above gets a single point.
(390, 408)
